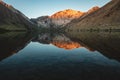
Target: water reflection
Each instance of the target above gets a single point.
(108, 43)
(70, 56)
(12, 42)
(60, 41)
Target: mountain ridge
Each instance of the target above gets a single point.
(61, 18)
(13, 19)
(106, 17)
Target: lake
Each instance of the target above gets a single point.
(58, 56)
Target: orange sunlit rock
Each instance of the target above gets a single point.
(67, 45)
(69, 13)
(93, 9)
(3, 3)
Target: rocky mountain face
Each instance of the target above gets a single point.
(90, 11)
(107, 17)
(12, 19)
(44, 21)
(58, 19)
(61, 18)
(64, 17)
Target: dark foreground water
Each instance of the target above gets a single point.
(48, 56)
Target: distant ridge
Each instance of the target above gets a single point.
(107, 17)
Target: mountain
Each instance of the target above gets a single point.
(12, 19)
(42, 21)
(107, 17)
(64, 17)
(58, 19)
(61, 18)
(90, 11)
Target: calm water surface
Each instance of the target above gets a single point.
(48, 56)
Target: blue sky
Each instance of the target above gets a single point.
(36, 8)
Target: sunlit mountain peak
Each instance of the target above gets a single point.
(68, 13)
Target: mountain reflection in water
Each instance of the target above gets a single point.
(70, 56)
(12, 42)
(58, 40)
(108, 43)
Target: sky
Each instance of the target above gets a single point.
(37, 8)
